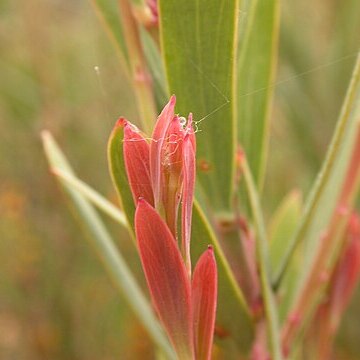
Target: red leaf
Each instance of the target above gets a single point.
(189, 174)
(204, 295)
(172, 172)
(136, 156)
(158, 138)
(166, 277)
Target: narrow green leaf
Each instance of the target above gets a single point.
(282, 226)
(118, 174)
(198, 43)
(262, 254)
(108, 12)
(322, 199)
(233, 315)
(281, 229)
(108, 253)
(287, 287)
(256, 76)
(92, 195)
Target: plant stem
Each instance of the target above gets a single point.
(262, 259)
(140, 74)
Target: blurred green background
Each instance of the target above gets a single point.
(56, 301)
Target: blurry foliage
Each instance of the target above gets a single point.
(55, 300)
(318, 46)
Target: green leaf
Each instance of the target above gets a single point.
(256, 76)
(287, 288)
(118, 174)
(108, 12)
(107, 251)
(282, 226)
(323, 197)
(93, 196)
(233, 315)
(198, 43)
(262, 254)
(281, 229)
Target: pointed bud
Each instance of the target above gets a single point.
(204, 295)
(172, 172)
(153, 6)
(147, 14)
(156, 146)
(189, 175)
(137, 163)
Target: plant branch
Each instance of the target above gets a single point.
(262, 259)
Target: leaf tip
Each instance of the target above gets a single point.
(141, 200)
(120, 122)
(142, 205)
(172, 101)
(44, 134)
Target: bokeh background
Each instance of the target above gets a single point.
(56, 301)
